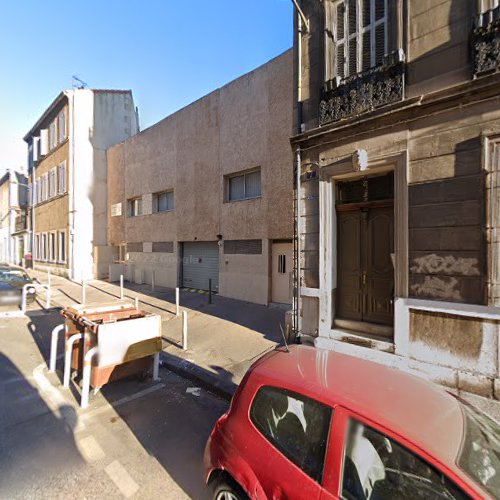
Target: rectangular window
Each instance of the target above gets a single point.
(61, 126)
(52, 183)
(135, 207)
(244, 186)
(163, 202)
(360, 35)
(52, 136)
(62, 247)
(52, 247)
(61, 178)
(37, 247)
(44, 247)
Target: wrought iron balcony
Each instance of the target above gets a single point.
(21, 223)
(363, 92)
(485, 42)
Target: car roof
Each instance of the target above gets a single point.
(418, 410)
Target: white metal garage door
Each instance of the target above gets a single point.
(200, 262)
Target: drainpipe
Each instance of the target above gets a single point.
(298, 232)
(71, 190)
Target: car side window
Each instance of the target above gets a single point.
(296, 425)
(377, 467)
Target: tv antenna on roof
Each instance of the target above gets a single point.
(77, 83)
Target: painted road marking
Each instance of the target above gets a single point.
(90, 449)
(122, 479)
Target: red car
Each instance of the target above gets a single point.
(316, 424)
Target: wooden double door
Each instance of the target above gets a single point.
(365, 269)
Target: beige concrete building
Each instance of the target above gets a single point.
(67, 168)
(397, 141)
(206, 194)
(14, 237)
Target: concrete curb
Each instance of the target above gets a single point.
(198, 375)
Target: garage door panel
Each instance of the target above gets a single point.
(200, 262)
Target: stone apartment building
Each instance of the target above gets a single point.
(14, 237)
(207, 193)
(68, 175)
(397, 147)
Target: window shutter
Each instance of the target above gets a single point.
(379, 9)
(352, 16)
(367, 54)
(340, 21)
(379, 43)
(366, 19)
(44, 141)
(353, 56)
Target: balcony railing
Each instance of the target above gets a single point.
(485, 42)
(363, 92)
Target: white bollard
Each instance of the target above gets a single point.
(49, 278)
(23, 299)
(47, 296)
(152, 281)
(136, 300)
(84, 292)
(184, 330)
(177, 310)
(67, 356)
(156, 366)
(87, 370)
(121, 286)
(53, 346)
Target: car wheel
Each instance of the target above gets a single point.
(227, 490)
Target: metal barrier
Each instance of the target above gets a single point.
(35, 286)
(87, 370)
(184, 330)
(54, 337)
(177, 310)
(67, 356)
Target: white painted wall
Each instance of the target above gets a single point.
(98, 120)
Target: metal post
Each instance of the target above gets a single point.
(177, 310)
(209, 290)
(23, 299)
(67, 356)
(47, 296)
(87, 370)
(53, 346)
(156, 366)
(136, 300)
(152, 281)
(184, 330)
(84, 292)
(49, 278)
(121, 286)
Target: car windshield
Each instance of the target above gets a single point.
(480, 453)
(13, 275)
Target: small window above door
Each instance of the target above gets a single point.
(366, 189)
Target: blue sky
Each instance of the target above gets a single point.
(168, 52)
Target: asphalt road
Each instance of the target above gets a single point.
(136, 440)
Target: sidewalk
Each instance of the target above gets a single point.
(224, 338)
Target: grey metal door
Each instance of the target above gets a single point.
(200, 262)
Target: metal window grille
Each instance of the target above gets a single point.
(243, 247)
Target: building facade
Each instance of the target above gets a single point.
(68, 175)
(14, 237)
(204, 198)
(397, 136)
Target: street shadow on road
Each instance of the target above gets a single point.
(37, 445)
(173, 425)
